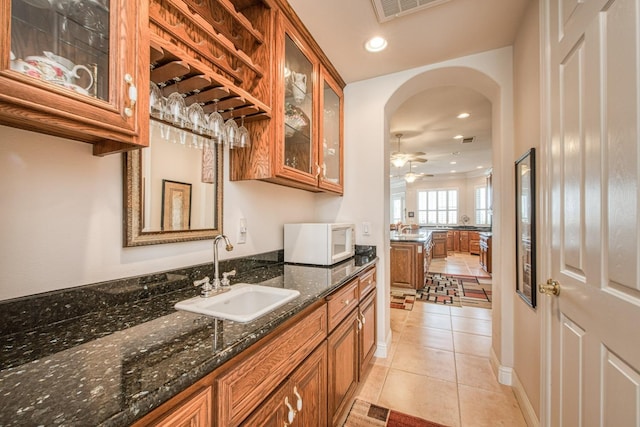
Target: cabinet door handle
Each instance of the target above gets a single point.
(364, 320)
(345, 302)
(318, 169)
(291, 413)
(299, 401)
(359, 324)
(133, 95)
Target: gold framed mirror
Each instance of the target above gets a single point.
(172, 193)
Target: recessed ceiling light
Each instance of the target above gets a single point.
(458, 137)
(479, 167)
(375, 44)
(453, 171)
(463, 115)
(452, 163)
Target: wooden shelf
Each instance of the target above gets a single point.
(175, 71)
(184, 24)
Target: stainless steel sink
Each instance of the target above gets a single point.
(243, 303)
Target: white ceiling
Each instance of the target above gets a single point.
(452, 29)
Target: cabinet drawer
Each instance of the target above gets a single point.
(195, 411)
(367, 282)
(240, 390)
(342, 302)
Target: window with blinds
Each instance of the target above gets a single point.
(482, 212)
(438, 207)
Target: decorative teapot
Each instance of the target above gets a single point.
(299, 86)
(55, 69)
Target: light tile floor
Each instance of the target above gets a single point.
(458, 263)
(438, 367)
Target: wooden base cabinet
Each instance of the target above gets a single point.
(351, 346)
(474, 243)
(343, 366)
(439, 244)
(301, 400)
(403, 264)
(485, 252)
(196, 411)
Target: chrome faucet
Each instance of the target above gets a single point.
(214, 287)
(402, 228)
(216, 275)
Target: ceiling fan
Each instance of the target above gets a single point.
(399, 159)
(411, 176)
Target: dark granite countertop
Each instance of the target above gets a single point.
(112, 364)
(420, 237)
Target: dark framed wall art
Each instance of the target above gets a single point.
(526, 227)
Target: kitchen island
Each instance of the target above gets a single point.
(410, 258)
(107, 354)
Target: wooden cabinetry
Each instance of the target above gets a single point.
(403, 264)
(301, 400)
(243, 386)
(195, 411)
(302, 146)
(439, 244)
(463, 241)
(77, 73)
(351, 344)
(343, 366)
(474, 243)
(409, 263)
(485, 252)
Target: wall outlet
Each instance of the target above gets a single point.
(366, 228)
(242, 231)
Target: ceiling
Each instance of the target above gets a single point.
(447, 30)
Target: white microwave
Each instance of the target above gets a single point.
(319, 243)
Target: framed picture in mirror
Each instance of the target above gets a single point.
(176, 205)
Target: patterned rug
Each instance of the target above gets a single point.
(456, 290)
(365, 414)
(403, 298)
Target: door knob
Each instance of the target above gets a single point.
(552, 287)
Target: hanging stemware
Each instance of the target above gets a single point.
(216, 124)
(231, 132)
(244, 140)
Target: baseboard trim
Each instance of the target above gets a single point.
(525, 405)
(503, 373)
(382, 349)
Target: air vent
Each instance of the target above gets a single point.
(468, 140)
(389, 9)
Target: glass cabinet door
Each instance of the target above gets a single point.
(331, 136)
(63, 43)
(298, 110)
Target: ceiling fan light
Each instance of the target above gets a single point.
(399, 162)
(410, 177)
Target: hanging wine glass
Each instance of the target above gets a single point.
(244, 140)
(216, 124)
(231, 132)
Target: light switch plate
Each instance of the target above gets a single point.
(242, 231)
(366, 228)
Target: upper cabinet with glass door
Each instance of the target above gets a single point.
(301, 146)
(330, 135)
(72, 68)
(297, 151)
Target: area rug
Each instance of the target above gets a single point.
(403, 298)
(456, 290)
(365, 414)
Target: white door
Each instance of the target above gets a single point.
(594, 97)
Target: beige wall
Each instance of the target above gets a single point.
(61, 218)
(526, 67)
